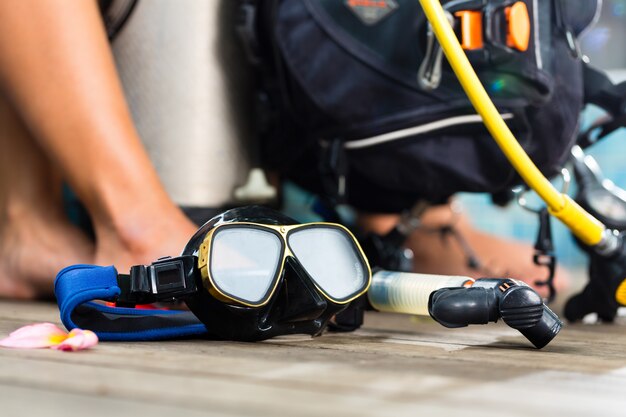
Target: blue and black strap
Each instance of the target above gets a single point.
(80, 290)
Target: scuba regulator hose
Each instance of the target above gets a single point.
(587, 228)
(606, 290)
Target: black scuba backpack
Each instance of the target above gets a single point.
(357, 103)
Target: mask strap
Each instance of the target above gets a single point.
(76, 287)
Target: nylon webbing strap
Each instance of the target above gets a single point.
(78, 286)
(601, 91)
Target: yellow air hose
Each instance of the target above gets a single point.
(586, 227)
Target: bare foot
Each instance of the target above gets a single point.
(33, 249)
(497, 256)
(437, 254)
(142, 237)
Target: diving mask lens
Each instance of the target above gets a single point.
(332, 260)
(244, 262)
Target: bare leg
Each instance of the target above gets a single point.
(56, 68)
(500, 257)
(36, 240)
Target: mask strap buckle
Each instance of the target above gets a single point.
(167, 279)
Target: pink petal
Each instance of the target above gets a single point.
(34, 336)
(78, 340)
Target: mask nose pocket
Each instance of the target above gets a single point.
(300, 299)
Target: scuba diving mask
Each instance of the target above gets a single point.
(248, 274)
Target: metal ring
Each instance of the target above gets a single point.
(522, 202)
(522, 191)
(567, 180)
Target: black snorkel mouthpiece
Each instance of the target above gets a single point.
(489, 300)
(458, 301)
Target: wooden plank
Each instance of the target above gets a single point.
(28, 402)
(396, 365)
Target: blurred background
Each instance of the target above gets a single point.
(204, 93)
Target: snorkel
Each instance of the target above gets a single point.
(606, 290)
(457, 301)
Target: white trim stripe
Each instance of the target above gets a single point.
(538, 58)
(417, 130)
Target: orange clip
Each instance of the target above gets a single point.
(518, 25)
(471, 29)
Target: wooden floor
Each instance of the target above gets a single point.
(394, 366)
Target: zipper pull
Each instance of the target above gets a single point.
(429, 74)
